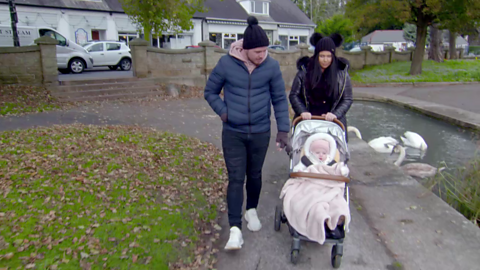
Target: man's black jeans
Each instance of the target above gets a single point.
(244, 155)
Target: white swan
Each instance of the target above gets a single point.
(383, 144)
(414, 140)
(354, 130)
(420, 170)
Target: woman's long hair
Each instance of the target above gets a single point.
(315, 77)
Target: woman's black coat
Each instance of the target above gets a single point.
(342, 95)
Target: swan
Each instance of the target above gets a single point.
(383, 144)
(414, 140)
(420, 170)
(354, 130)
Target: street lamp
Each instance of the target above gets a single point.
(14, 19)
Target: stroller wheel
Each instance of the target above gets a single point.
(336, 258)
(294, 256)
(278, 218)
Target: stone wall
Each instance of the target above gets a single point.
(192, 66)
(30, 64)
(20, 65)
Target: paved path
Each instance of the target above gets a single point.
(393, 219)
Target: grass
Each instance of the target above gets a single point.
(16, 99)
(86, 197)
(461, 189)
(449, 71)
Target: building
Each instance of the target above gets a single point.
(380, 39)
(223, 23)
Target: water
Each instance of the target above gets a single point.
(446, 143)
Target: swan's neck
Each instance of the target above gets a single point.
(356, 131)
(401, 157)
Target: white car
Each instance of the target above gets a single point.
(112, 54)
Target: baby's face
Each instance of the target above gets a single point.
(319, 150)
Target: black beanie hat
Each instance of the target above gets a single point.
(254, 36)
(325, 43)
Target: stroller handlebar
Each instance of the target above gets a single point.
(320, 176)
(314, 117)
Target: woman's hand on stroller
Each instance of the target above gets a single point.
(330, 117)
(306, 116)
(282, 142)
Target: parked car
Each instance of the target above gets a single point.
(71, 57)
(277, 47)
(112, 54)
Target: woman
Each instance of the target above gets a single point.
(322, 85)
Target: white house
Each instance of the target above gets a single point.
(380, 39)
(223, 23)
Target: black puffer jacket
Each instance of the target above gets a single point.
(342, 96)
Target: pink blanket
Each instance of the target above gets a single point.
(309, 203)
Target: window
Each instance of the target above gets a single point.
(303, 39)
(284, 41)
(49, 33)
(126, 37)
(61, 40)
(96, 48)
(216, 37)
(259, 7)
(293, 41)
(113, 46)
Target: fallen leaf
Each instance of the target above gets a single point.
(84, 255)
(156, 240)
(30, 266)
(134, 258)
(8, 256)
(53, 267)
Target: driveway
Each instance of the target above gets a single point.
(96, 74)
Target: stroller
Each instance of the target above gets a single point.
(301, 130)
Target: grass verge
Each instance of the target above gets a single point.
(448, 71)
(88, 197)
(461, 189)
(16, 99)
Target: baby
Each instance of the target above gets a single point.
(319, 151)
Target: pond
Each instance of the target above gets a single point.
(447, 143)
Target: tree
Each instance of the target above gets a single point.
(337, 24)
(157, 16)
(410, 33)
(458, 16)
(435, 52)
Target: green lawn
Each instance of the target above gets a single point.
(449, 71)
(88, 197)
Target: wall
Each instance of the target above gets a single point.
(192, 66)
(20, 65)
(29, 64)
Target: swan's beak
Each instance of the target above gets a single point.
(393, 149)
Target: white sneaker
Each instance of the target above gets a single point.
(251, 217)
(236, 240)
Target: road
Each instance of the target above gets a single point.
(96, 73)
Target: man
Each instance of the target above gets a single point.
(252, 82)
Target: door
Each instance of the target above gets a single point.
(97, 52)
(63, 51)
(95, 35)
(113, 53)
